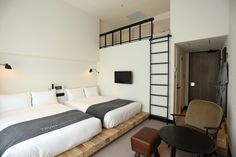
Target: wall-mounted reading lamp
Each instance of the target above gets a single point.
(91, 70)
(7, 66)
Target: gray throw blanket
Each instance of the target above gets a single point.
(22, 131)
(99, 110)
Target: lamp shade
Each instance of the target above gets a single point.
(7, 66)
(91, 70)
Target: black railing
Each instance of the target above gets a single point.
(117, 36)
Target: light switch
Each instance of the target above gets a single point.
(192, 84)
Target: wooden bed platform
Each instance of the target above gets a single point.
(105, 137)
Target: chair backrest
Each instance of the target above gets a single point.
(201, 113)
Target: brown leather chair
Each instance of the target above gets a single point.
(204, 116)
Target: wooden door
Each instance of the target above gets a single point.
(203, 72)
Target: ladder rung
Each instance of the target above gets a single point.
(159, 63)
(166, 36)
(159, 74)
(159, 42)
(159, 84)
(159, 105)
(159, 52)
(159, 95)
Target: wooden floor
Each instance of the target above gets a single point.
(105, 137)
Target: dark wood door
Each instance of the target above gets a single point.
(203, 72)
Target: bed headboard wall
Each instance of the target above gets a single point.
(34, 73)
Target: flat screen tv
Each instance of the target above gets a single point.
(124, 77)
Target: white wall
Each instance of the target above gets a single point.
(231, 117)
(193, 20)
(38, 73)
(127, 57)
(46, 42)
(47, 28)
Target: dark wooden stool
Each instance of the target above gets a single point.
(145, 142)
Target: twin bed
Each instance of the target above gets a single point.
(111, 111)
(47, 144)
(113, 117)
(47, 128)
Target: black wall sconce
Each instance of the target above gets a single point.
(7, 66)
(91, 70)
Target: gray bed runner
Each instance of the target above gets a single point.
(22, 131)
(99, 110)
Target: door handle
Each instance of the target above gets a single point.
(178, 87)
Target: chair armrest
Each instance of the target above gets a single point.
(210, 128)
(175, 115)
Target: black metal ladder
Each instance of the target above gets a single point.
(159, 78)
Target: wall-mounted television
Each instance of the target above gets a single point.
(124, 77)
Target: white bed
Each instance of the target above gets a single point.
(112, 118)
(51, 143)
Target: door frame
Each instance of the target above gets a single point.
(185, 69)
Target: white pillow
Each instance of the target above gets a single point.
(44, 98)
(91, 91)
(14, 101)
(75, 94)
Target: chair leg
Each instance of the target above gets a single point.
(156, 153)
(173, 152)
(214, 153)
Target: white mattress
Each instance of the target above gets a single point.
(112, 118)
(54, 142)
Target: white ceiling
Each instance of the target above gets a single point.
(216, 43)
(115, 12)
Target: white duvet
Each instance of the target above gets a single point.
(54, 142)
(112, 118)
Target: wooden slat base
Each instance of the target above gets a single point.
(105, 137)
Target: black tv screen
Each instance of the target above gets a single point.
(124, 77)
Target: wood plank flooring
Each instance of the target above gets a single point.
(105, 137)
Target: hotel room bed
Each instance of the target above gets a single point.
(53, 142)
(111, 118)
